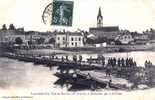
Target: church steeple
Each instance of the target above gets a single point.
(99, 18)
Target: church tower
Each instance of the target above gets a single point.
(99, 19)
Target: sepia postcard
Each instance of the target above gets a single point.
(77, 49)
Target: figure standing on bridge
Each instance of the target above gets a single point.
(122, 62)
(90, 60)
(75, 58)
(103, 60)
(62, 59)
(108, 72)
(119, 62)
(80, 58)
(67, 58)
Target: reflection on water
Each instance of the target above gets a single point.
(19, 74)
(16, 74)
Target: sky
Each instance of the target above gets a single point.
(134, 15)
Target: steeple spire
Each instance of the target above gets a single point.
(99, 18)
(99, 13)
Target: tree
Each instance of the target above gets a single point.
(11, 27)
(117, 42)
(4, 27)
(18, 40)
(30, 43)
(51, 41)
(40, 40)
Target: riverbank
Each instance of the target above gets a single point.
(112, 48)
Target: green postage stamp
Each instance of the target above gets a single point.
(62, 13)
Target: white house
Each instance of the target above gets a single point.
(60, 39)
(125, 38)
(69, 39)
(101, 45)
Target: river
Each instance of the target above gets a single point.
(18, 74)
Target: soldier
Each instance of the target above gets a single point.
(114, 61)
(122, 62)
(67, 58)
(103, 60)
(108, 72)
(75, 58)
(80, 58)
(98, 58)
(146, 64)
(127, 62)
(149, 63)
(134, 64)
(52, 56)
(109, 61)
(62, 59)
(90, 60)
(119, 62)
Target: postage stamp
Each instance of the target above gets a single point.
(62, 13)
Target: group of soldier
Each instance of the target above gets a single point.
(121, 62)
(74, 59)
(148, 64)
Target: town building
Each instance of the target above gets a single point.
(141, 38)
(10, 36)
(110, 32)
(105, 32)
(69, 39)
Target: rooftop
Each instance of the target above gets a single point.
(105, 29)
(69, 33)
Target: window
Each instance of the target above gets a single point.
(58, 38)
(129, 37)
(72, 43)
(72, 39)
(76, 44)
(64, 43)
(75, 38)
(63, 38)
(79, 39)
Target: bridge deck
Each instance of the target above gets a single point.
(101, 77)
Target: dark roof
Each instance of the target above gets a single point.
(75, 33)
(69, 33)
(106, 29)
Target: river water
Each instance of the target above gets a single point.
(18, 74)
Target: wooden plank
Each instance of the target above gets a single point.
(103, 79)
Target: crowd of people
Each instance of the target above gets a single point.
(122, 62)
(148, 64)
(113, 61)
